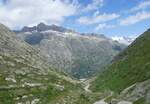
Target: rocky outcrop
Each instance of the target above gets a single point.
(138, 91)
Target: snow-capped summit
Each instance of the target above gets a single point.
(124, 40)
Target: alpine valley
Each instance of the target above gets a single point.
(49, 64)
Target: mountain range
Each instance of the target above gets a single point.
(79, 54)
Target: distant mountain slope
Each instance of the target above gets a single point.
(81, 55)
(26, 78)
(131, 70)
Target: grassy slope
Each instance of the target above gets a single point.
(130, 66)
(48, 92)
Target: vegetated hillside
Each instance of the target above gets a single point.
(131, 70)
(25, 76)
(80, 55)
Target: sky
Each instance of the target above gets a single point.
(108, 17)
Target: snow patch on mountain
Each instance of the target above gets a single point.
(124, 40)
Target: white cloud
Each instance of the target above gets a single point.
(27, 12)
(97, 18)
(94, 5)
(140, 16)
(143, 5)
(104, 26)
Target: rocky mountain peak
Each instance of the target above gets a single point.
(41, 24)
(28, 29)
(44, 27)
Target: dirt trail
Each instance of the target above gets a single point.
(87, 86)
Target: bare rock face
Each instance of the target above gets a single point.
(138, 93)
(81, 55)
